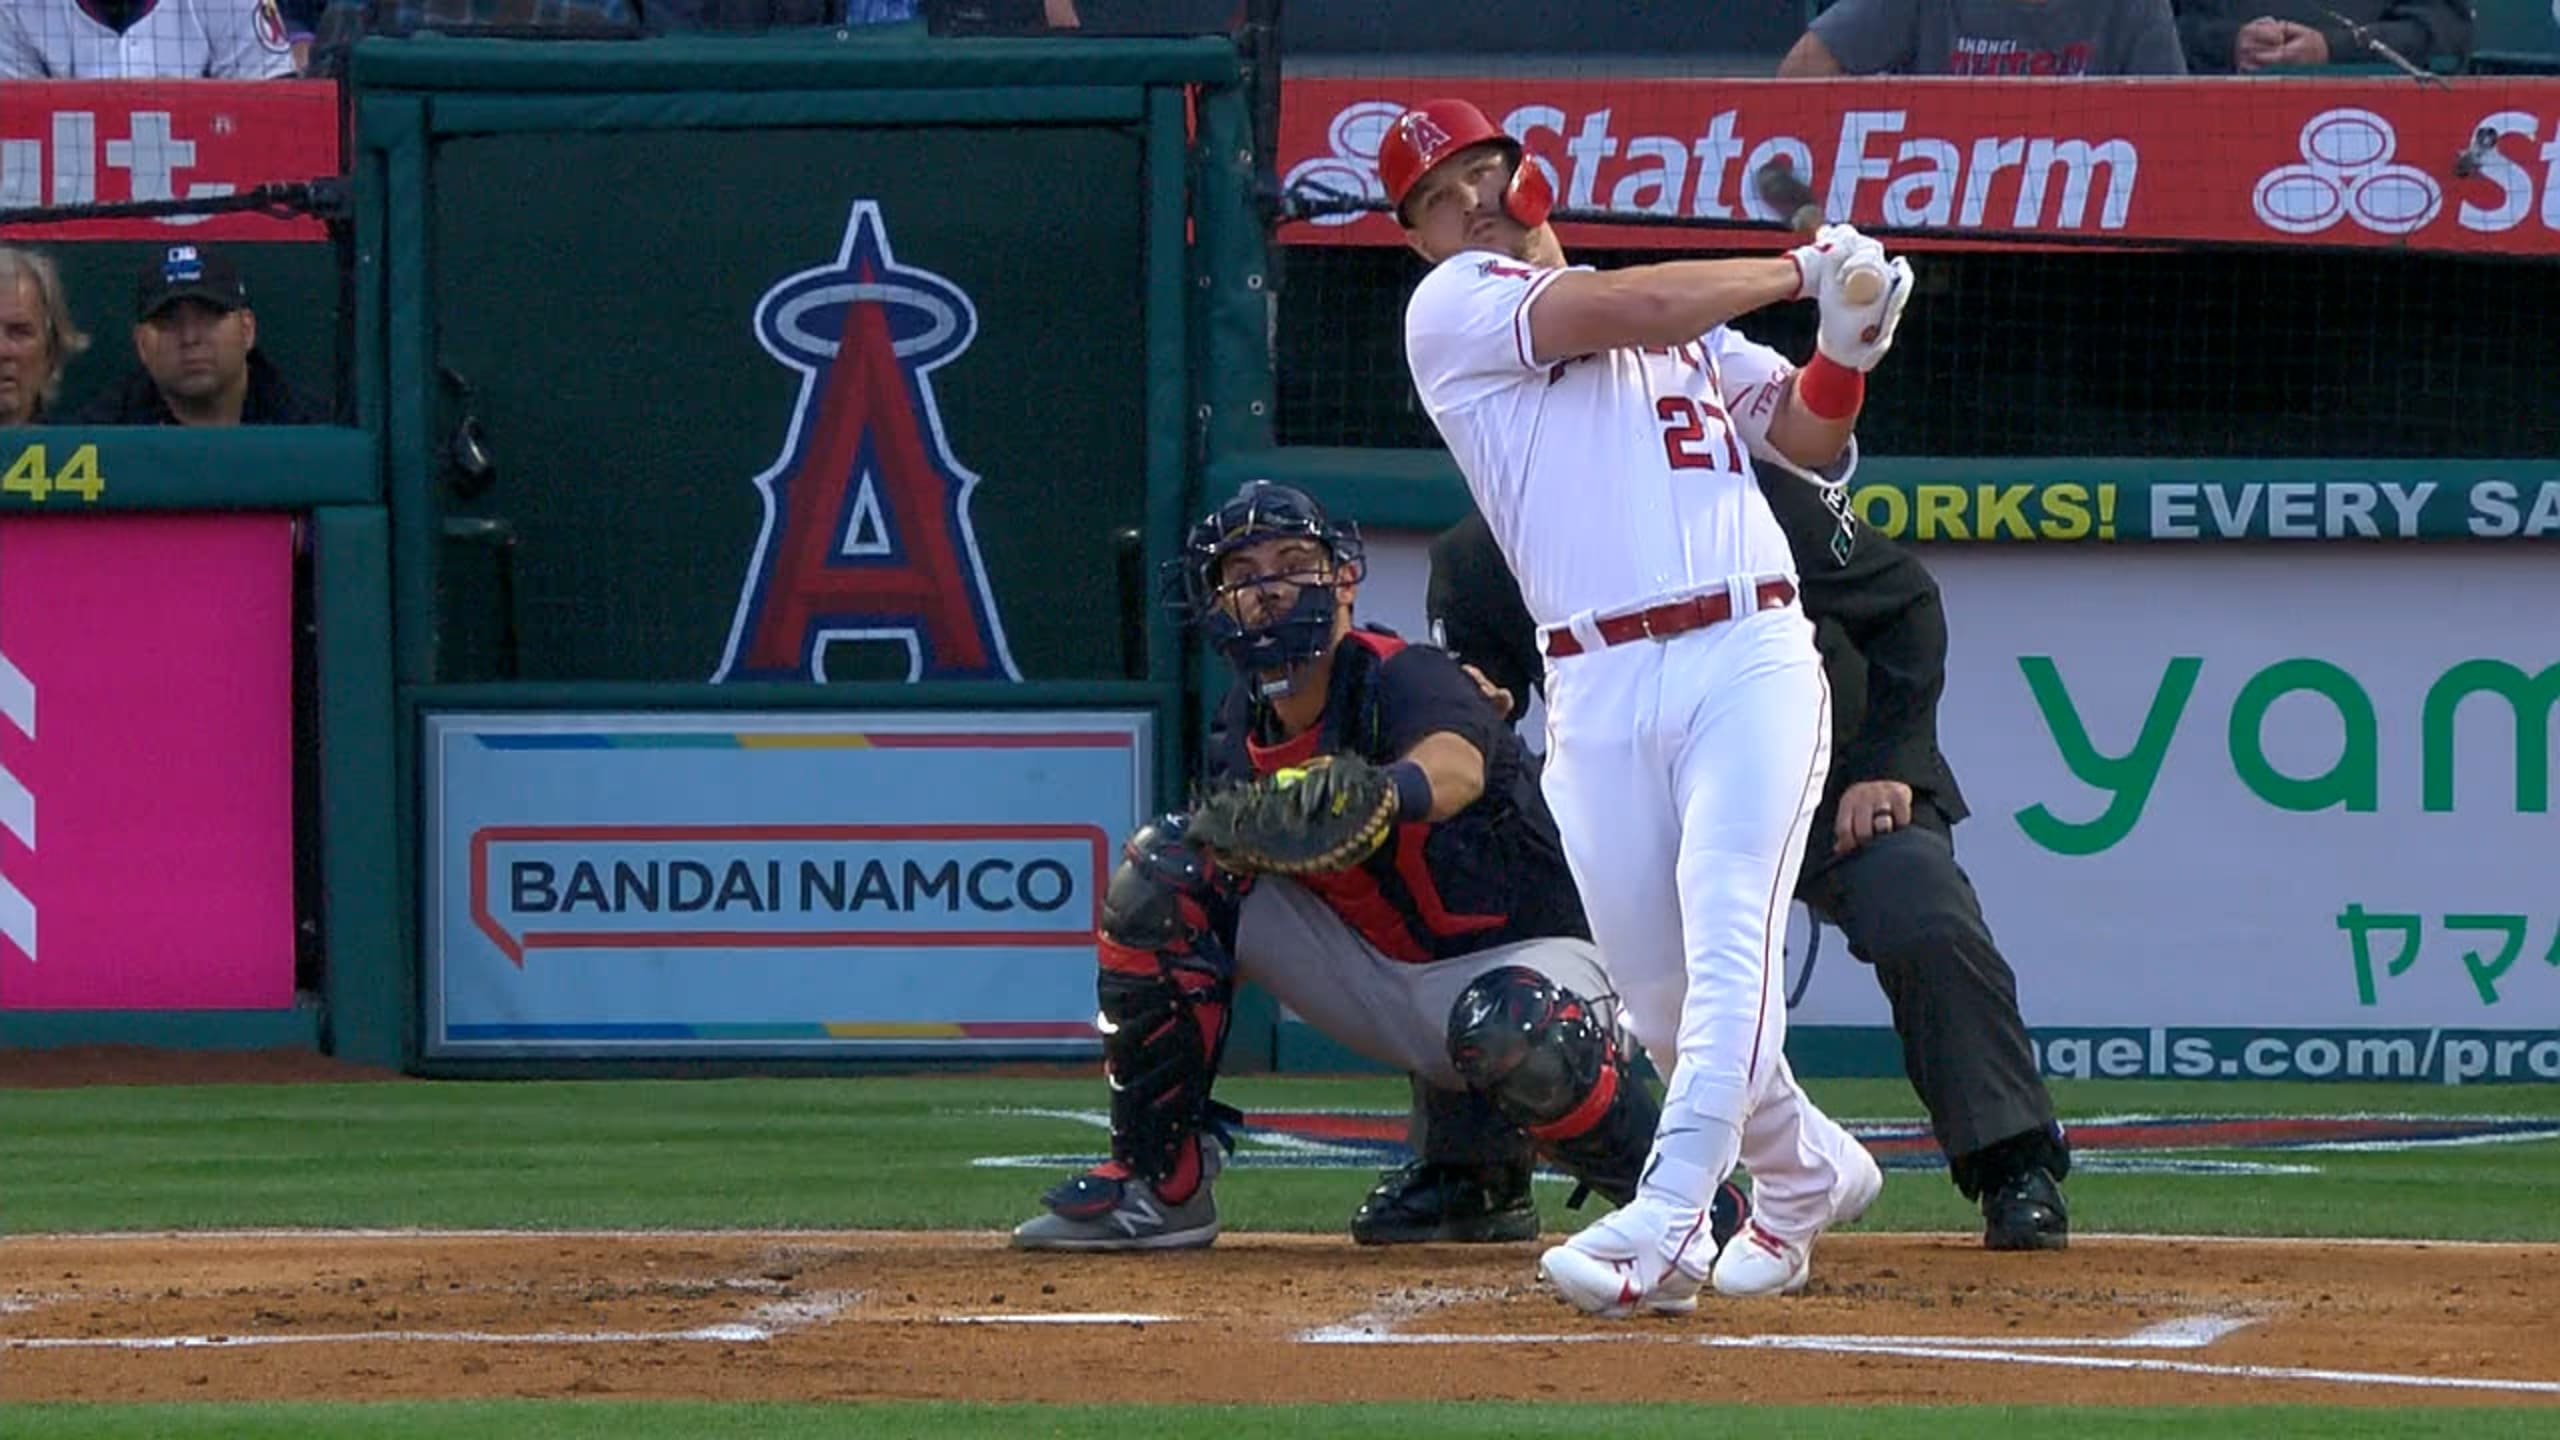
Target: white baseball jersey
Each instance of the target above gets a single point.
(1609, 480)
(169, 39)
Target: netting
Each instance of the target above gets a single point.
(2221, 354)
(2348, 261)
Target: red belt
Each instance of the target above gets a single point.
(1662, 621)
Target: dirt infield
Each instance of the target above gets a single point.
(845, 1316)
(852, 1316)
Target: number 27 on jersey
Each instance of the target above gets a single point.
(1687, 443)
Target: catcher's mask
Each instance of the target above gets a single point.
(1262, 510)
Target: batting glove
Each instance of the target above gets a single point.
(1818, 259)
(1858, 335)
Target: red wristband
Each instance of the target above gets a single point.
(1829, 389)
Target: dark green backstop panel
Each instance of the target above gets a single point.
(607, 331)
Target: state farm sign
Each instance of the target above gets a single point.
(2323, 161)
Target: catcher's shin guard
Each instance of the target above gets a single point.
(1551, 1066)
(1166, 987)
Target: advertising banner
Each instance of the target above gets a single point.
(146, 744)
(810, 883)
(2463, 166)
(2258, 813)
(82, 142)
(2144, 499)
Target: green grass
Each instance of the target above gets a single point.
(896, 1153)
(621, 1420)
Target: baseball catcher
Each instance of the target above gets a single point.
(1369, 845)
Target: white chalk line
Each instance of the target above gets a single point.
(2186, 1333)
(763, 1323)
(725, 1334)
(1074, 1317)
(2192, 1333)
(2171, 1367)
(2015, 1352)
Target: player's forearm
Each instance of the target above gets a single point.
(1455, 768)
(1803, 435)
(1584, 312)
(1692, 297)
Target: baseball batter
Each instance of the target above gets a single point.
(143, 39)
(1602, 422)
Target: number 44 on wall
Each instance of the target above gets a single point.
(30, 476)
(2362, 924)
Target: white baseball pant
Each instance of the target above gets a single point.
(1684, 774)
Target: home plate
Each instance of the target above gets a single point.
(1070, 1317)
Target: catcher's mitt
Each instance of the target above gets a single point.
(1330, 814)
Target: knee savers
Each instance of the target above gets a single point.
(1167, 979)
(1553, 1068)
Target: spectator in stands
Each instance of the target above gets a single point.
(2225, 37)
(1023, 17)
(197, 338)
(37, 336)
(2012, 37)
(344, 22)
(677, 15)
(143, 39)
(669, 16)
(301, 23)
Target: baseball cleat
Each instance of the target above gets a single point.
(2027, 1213)
(1423, 1202)
(1638, 1257)
(1107, 1208)
(1761, 1262)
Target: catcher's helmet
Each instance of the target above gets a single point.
(1263, 510)
(1431, 132)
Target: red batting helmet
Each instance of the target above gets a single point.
(1433, 131)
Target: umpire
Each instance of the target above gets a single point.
(1880, 867)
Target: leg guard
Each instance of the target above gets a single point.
(1550, 1065)
(1167, 982)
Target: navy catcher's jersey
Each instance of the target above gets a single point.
(1489, 875)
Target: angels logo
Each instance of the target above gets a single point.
(866, 533)
(1424, 134)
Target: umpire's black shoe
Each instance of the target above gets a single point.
(1422, 1202)
(2026, 1213)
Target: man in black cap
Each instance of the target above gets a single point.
(197, 339)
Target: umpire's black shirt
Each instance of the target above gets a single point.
(1875, 608)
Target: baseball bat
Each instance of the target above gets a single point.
(1784, 191)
